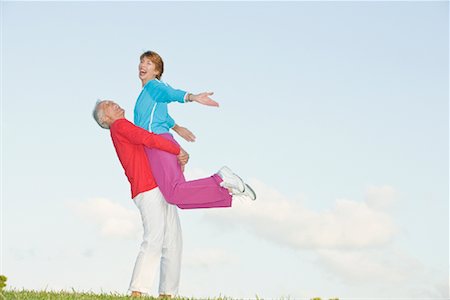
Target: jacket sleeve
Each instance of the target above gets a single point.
(139, 136)
(162, 92)
(170, 121)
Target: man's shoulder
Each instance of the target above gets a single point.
(120, 123)
(120, 127)
(127, 130)
(120, 132)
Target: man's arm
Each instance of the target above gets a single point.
(183, 157)
(139, 136)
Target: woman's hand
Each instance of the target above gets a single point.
(184, 133)
(203, 98)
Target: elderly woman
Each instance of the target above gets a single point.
(151, 113)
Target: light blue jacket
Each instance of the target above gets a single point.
(150, 111)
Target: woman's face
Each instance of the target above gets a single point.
(147, 70)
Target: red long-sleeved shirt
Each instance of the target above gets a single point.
(129, 141)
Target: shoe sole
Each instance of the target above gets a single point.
(252, 192)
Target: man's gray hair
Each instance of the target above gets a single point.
(99, 114)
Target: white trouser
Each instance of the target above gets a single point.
(161, 245)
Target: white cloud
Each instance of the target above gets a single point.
(441, 288)
(207, 258)
(113, 219)
(370, 265)
(446, 289)
(381, 197)
(348, 224)
(382, 271)
(352, 240)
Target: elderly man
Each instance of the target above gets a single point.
(162, 240)
(162, 233)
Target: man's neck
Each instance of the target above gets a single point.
(115, 119)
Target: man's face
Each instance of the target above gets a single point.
(147, 70)
(112, 111)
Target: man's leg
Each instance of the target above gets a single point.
(171, 254)
(152, 208)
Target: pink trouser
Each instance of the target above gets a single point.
(200, 193)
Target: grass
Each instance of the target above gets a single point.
(65, 295)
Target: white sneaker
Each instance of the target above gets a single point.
(249, 192)
(231, 180)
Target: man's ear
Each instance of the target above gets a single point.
(106, 119)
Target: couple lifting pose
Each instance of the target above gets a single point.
(154, 163)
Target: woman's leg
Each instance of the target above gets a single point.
(200, 193)
(216, 204)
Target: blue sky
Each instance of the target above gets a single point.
(336, 112)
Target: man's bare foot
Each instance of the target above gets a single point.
(165, 296)
(136, 294)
